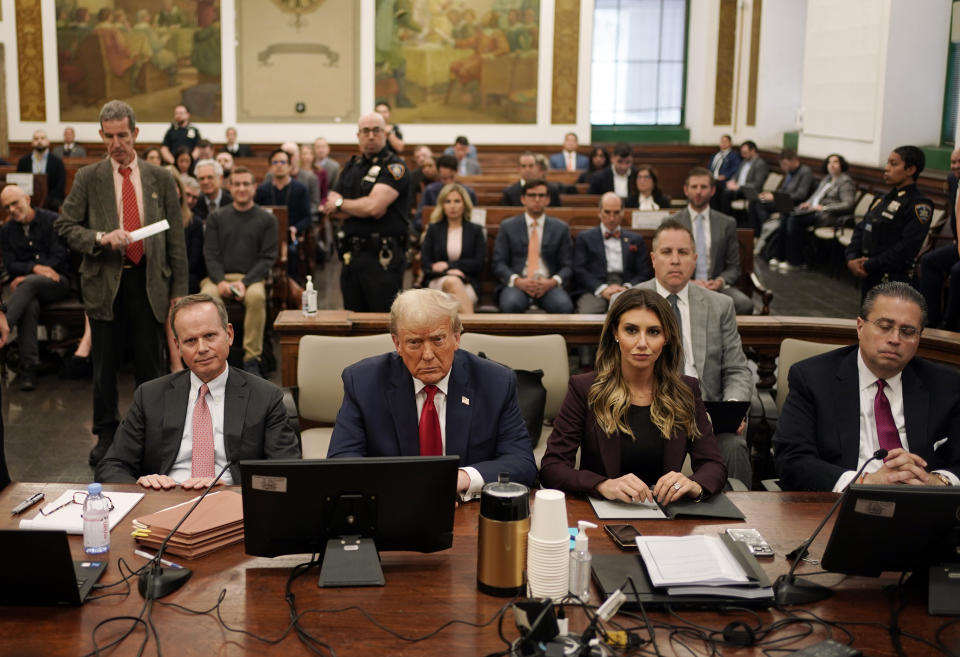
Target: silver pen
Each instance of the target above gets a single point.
(27, 503)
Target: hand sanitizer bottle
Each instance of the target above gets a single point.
(580, 563)
(309, 298)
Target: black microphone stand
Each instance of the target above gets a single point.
(157, 581)
(792, 590)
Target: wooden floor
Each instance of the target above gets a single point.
(48, 431)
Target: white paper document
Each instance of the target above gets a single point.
(22, 180)
(613, 509)
(150, 229)
(70, 517)
(689, 561)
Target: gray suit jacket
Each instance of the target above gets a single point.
(78, 151)
(92, 207)
(147, 442)
(471, 167)
(756, 175)
(717, 351)
(801, 182)
(724, 247)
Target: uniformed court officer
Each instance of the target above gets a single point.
(885, 244)
(371, 199)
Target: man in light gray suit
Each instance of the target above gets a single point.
(711, 344)
(715, 236)
(128, 285)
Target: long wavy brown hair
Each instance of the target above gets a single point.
(673, 405)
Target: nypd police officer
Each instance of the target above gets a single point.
(885, 244)
(370, 198)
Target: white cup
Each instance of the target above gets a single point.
(548, 519)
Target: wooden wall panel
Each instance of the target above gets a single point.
(566, 57)
(726, 61)
(30, 61)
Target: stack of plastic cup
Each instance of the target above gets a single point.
(548, 546)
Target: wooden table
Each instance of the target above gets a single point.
(761, 334)
(422, 592)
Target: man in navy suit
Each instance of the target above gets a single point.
(528, 274)
(607, 259)
(943, 263)
(430, 398)
(726, 161)
(845, 404)
(569, 159)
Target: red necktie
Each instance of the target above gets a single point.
(607, 234)
(131, 216)
(430, 442)
(202, 461)
(886, 428)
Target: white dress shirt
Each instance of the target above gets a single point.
(683, 303)
(869, 441)
(646, 203)
(216, 394)
(621, 186)
(613, 250)
(744, 171)
(440, 403)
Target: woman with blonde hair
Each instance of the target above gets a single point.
(636, 417)
(453, 249)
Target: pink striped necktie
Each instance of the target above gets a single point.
(202, 464)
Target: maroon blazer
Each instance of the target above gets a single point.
(576, 427)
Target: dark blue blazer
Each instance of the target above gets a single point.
(378, 416)
(510, 249)
(731, 162)
(818, 433)
(473, 251)
(590, 260)
(297, 202)
(559, 161)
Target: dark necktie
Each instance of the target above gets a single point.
(131, 215)
(430, 442)
(887, 432)
(673, 299)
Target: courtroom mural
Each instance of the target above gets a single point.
(299, 60)
(450, 61)
(152, 54)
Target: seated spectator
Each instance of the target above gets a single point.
(39, 262)
(467, 163)
(394, 134)
(282, 189)
(306, 165)
(183, 428)
(752, 172)
(466, 405)
(226, 163)
(152, 155)
(471, 150)
(304, 176)
(847, 403)
(724, 163)
(618, 177)
(943, 264)
(556, 189)
(203, 150)
(646, 194)
(607, 259)
(188, 188)
(569, 159)
(885, 244)
(239, 247)
(715, 237)
(321, 153)
(834, 197)
(636, 417)
(446, 174)
(532, 257)
(209, 175)
(70, 147)
(529, 170)
(425, 173)
(599, 160)
(454, 249)
(235, 148)
(183, 161)
(797, 182)
(41, 160)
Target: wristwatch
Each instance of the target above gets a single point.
(942, 477)
(338, 202)
(99, 238)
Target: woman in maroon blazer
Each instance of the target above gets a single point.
(636, 417)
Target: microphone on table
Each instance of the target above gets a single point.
(157, 581)
(791, 590)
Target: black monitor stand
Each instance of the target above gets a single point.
(351, 559)
(944, 592)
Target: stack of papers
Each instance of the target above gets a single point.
(69, 518)
(217, 522)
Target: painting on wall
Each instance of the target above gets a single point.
(449, 61)
(152, 54)
(299, 61)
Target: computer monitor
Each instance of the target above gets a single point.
(897, 528)
(347, 510)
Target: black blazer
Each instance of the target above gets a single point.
(196, 265)
(602, 181)
(472, 252)
(43, 246)
(56, 178)
(661, 199)
(818, 433)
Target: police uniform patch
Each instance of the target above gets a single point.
(924, 212)
(396, 170)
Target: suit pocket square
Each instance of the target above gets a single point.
(940, 442)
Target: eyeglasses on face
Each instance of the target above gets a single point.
(907, 333)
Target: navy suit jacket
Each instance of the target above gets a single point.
(818, 433)
(484, 427)
(590, 260)
(729, 165)
(559, 161)
(510, 249)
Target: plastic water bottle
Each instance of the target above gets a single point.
(309, 298)
(96, 521)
